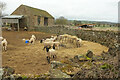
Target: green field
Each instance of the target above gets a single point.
(106, 28)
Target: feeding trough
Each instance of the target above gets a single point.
(26, 41)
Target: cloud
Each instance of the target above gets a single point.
(106, 10)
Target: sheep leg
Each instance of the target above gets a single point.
(55, 56)
(48, 59)
(33, 42)
(44, 48)
(5, 48)
(58, 46)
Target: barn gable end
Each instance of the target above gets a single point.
(33, 16)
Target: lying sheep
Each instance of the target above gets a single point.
(4, 44)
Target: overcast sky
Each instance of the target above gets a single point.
(95, 10)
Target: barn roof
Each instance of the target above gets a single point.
(37, 12)
(13, 17)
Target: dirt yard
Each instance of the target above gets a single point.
(31, 59)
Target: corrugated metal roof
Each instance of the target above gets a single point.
(13, 17)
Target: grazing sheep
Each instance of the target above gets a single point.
(32, 40)
(73, 39)
(56, 44)
(79, 42)
(42, 40)
(4, 44)
(55, 38)
(47, 44)
(52, 38)
(51, 53)
(49, 40)
(61, 38)
(51, 43)
(65, 37)
(69, 38)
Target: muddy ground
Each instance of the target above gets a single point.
(31, 59)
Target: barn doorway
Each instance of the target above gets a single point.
(45, 21)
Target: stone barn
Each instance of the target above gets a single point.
(30, 17)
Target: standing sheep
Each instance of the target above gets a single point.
(51, 53)
(4, 44)
(1, 39)
(33, 36)
(56, 44)
(32, 40)
(79, 42)
(73, 39)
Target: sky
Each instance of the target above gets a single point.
(92, 10)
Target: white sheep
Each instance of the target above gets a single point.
(32, 40)
(65, 37)
(52, 53)
(79, 42)
(61, 38)
(47, 44)
(74, 39)
(49, 40)
(4, 44)
(33, 36)
(56, 44)
(1, 38)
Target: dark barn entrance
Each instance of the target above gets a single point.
(45, 21)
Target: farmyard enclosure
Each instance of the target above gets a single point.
(29, 61)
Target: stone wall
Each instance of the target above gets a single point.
(50, 21)
(108, 68)
(106, 38)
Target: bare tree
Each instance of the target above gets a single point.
(2, 7)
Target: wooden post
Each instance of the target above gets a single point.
(18, 25)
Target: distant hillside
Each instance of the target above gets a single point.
(91, 22)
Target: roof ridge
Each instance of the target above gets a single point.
(31, 7)
(44, 13)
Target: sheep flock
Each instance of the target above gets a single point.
(50, 44)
